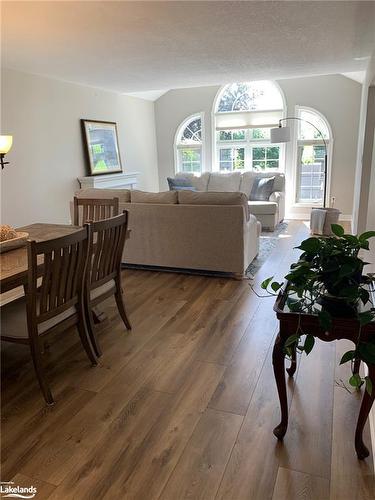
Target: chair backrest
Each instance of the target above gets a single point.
(94, 209)
(106, 244)
(60, 265)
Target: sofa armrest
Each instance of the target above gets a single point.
(279, 198)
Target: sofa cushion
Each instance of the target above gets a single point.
(199, 182)
(122, 194)
(247, 180)
(180, 184)
(262, 188)
(224, 182)
(262, 207)
(213, 198)
(163, 198)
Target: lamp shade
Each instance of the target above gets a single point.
(280, 134)
(5, 143)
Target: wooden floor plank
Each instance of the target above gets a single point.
(310, 419)
(169, 437)
(299, 486)
(200, 468)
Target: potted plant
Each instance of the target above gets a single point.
(328, 280)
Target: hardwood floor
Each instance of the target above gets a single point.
(183, 407)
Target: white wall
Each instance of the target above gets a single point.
(47, 156)
(362, 177)
(335, 96)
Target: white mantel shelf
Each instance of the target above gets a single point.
(123, 180)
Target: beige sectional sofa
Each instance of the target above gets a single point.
(187, 230)
(269, 212)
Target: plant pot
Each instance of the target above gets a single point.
(337, 307)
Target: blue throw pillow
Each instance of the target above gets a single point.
(180, 184)
(262, 188)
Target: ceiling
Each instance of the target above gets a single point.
(147, 46)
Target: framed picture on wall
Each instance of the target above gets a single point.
(101, 146)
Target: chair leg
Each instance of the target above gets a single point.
(40, 371)
(92, 330)
(83, 334)
(121, 308)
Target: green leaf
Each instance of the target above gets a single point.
(365, 245)
(266, 282)
(366, 351)
(348, 356)
(355, 381)
(352, 239)
(366, 317)
(368, 385)
(276, 286)
(294, 305)
(365, 236)
(309, 343)
(311, 245)
(325, 320)
(337, 230)
(291, 340)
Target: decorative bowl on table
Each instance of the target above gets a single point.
(11, 239)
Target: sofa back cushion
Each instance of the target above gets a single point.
(199, 182)
(122, 194)
(224, 182)
(262, 188)
(163, 198)
(214, 198)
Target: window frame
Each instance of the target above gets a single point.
(310, 142)
(248, 144)
(178, 146)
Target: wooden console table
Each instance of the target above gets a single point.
(342, 328)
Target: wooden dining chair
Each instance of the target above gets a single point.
(103, 277)
(93, 209)
(53, 299)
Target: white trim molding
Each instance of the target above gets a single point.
(125, 180)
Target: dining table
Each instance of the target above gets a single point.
(14, 263)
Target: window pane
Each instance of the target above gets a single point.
(310, 171)
(308, 131)
(231, 135)
(249, 96)
(274, 164)
(192, 132)
(273, 153)
(190, 160)
(260, 133)
(239, 158)
(231, 158)
(259, 165)
(259, 153)
(238, 135)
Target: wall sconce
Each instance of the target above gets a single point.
(5, 145)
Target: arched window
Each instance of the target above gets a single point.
(244, 114)
(189, 145)
(313, 143)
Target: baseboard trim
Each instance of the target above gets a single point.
(306, 216)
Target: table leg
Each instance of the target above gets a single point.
(278, 362)
(360, 447)
(293, 364)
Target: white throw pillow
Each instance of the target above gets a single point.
(224, 182)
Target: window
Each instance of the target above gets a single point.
(189, 145)
(246, 150)
(311, 151)
(244, 114)
(250, 96)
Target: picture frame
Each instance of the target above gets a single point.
(101, 147)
